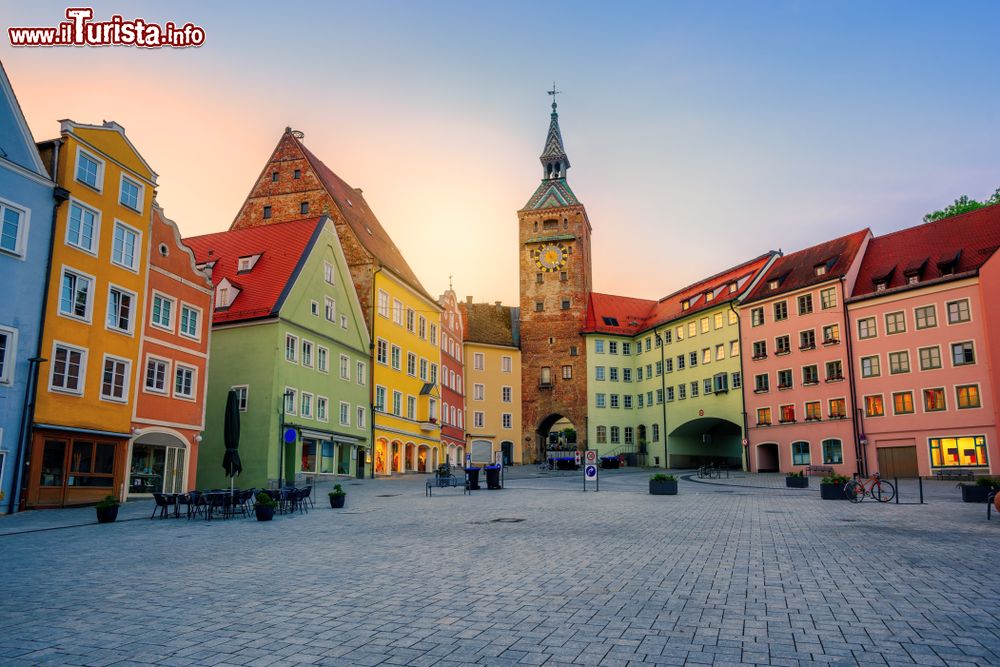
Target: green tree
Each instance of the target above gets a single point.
(962, 205)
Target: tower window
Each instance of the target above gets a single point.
(539, 306)
(565, 304)
(538, 278)
(298, 173)
(550, 224)
(274, 177)
(267, 212)
(563, 276)
(304, 207)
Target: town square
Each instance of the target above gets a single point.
(304, 359)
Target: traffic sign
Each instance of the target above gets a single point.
(498, 458)
(746, 441)
(591, 456)
(591, 472)
(290, 435)
(578, 457)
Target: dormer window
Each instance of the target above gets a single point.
(685, 304)
(912, 280)
(947, 265)
(774, 284)
(880, 286)
(732, 288)
(225, 294)
(820, 269)
(246, 264)
(709, 296)
(610, 321)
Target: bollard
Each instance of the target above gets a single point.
(895, 481)
(920, 482)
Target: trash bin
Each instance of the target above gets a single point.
(472, 477)
(630, 459)
(493, 477)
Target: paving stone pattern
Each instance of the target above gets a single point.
(718, 575)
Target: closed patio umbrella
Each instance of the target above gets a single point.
(231, 437)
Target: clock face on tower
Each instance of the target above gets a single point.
(550, 257)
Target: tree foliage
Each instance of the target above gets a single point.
(962, 205)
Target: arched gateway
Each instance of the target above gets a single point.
(556, 433)
(704, 441)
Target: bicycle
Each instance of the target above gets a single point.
(876, 487)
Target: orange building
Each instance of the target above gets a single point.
(173, 367)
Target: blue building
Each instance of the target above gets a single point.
(27, 201)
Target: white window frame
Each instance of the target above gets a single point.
(200, 313)
(84, 354)
(506, 363)
(130, 331)
(242, 404)
(397, 312)
(9, 359)
(506, 394)
(306, 404)
(294, 401)
(295, 348)
(137, 254)
(362, 417)
(330, 309)
(307, 344)
(194, 382)
(383, 304)
(21, 239)
(141, 198)
(323, 409)
(345, 367)
(329, 276)
(322, 353)
(73, 201)
(507, 420)
(173, 310)
(88, 318)
(80, 150)
(127, 382)
(362, 372)
(168, 375)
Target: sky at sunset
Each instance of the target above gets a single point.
(701, 134)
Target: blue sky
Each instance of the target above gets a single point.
(701, 134)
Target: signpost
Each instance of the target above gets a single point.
(498, 460)
(578, 458)
(590, 469)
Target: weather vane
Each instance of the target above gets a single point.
(553, 93)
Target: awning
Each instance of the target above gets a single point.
(330, 435)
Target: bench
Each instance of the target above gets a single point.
(819, 470)
(958, 473)
(443, 482)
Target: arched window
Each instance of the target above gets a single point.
(800, 453)
(833, 451)
(602, 434)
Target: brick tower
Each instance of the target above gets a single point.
(555, 275)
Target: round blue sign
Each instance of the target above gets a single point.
(290, 435)
(591, 471)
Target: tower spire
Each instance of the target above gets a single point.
(554, 159)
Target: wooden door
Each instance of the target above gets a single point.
(897, 461)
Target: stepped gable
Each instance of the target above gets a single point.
(282, 248)
(798, 269)
(355, 211)
(671, 307)
(938, 251)
(488, 323)
(611, 314)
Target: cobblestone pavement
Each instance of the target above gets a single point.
(720, 574)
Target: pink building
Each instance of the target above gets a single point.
(796, 388)
(922, 341)
(452, 379)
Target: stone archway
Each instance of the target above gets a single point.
(704, 441)
(767, 457)
(555, 433)
(157, 462)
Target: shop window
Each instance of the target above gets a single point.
(961, 451)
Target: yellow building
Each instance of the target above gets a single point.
(492, 382)
(407, 360)
(93, 317)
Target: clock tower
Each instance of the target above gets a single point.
(555, 277)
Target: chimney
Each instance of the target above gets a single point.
(360, 191)
(468, 300)
(498, 303)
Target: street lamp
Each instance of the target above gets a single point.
(21, 456)
(663, 395)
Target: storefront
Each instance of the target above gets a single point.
(157, 464)
(75, 467)
(329, 453)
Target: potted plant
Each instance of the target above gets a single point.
(979, 491)
(337, 496)
(663, 485)
(264, 506)
(796, 480)
(107, 509)
(831, 487)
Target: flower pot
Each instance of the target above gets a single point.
(797, 482)
(337, 501)
(663, 488)
(974, 493)
(832, 492)
(263, 512)
(107, 514)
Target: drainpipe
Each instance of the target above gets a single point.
(663, 391)
(371, 376)
(856, 415)
(743, 391)
(22, 460)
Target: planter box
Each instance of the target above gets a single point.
(832, 492)
(974, 493)
(336, 502)
(107, 514)
(263, 513)
(668, 488)
(797, 482)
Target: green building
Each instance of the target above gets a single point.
(289, 336)
(664, 377)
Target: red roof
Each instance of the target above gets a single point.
(798, 269)
(607, 313)
(947, 248)
(362, 221)
(281, 247)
